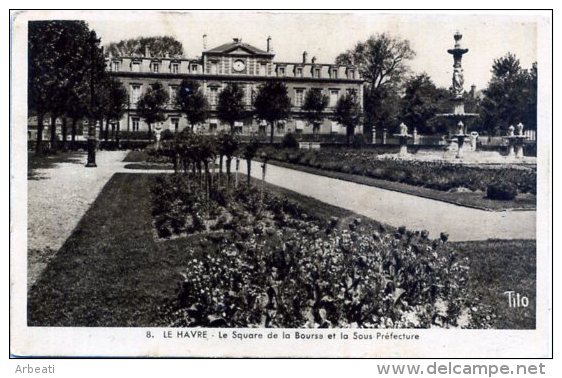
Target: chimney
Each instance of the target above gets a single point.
(205, 41)
(313, 60)
(237, 40)
(269, 45)
(146, 52)
(473, 91)
(304, 57)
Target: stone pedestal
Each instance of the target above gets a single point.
(519, 151)
(383, 136)
(157, 133)
(374, 132)
(511, 150)
(515, 146)
(403, 140)
(460, 144)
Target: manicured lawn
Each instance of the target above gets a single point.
(499, 266)
(150, 166)
(113, 272)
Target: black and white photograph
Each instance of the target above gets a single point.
(255, 183)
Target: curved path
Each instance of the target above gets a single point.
(399, 209)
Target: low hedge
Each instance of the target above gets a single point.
(503, 191)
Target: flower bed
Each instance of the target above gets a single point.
(434, 175)
(274, 265)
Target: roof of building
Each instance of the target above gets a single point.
(236, 44)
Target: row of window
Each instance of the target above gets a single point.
(155, 67)
(174, 67)
(316, 72)
(281, 71)
(213, 126)
(135, 123)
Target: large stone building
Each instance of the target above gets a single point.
(234, 62)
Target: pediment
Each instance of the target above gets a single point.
(239, 51)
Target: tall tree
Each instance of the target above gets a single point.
(314, 105)
(116, 101)
(381, 107)
(272, 104)
(230, 107)
(77, 109)
(151, 105)
(511, 96)
(59, 59)
(157, 46)
(382, 62)
(348, 114)
(421, 101)
(192, 102)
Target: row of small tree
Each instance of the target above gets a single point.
(271, 104)
(195, 155)
(67, 80)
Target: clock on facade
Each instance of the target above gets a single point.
(238, 65)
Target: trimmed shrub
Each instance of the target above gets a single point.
(503, 191)
(289, 141)
(167, 135)
(358, 141)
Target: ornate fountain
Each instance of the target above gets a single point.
(458, 117)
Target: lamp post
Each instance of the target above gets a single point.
(92, 122)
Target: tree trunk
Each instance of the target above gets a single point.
(73, 134)
(106, 132)
(272, 131)
(117, 132)
(249, 165)
(53, 133)
(348, 135)
(101, 129)
(149, 131)
(207, 182)
(228, 163)
(64, 132)
(113, 131)
(315, 128)
(232, 128)
(39, 140)
(199, 174)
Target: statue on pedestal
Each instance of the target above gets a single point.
(520, 129)
(460, 130)
(511, 131)
(403, 129)
(458, 81)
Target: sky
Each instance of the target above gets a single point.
(325, 35)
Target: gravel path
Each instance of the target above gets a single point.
(399, 209)
(58, 200)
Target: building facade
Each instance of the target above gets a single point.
(234, 62)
